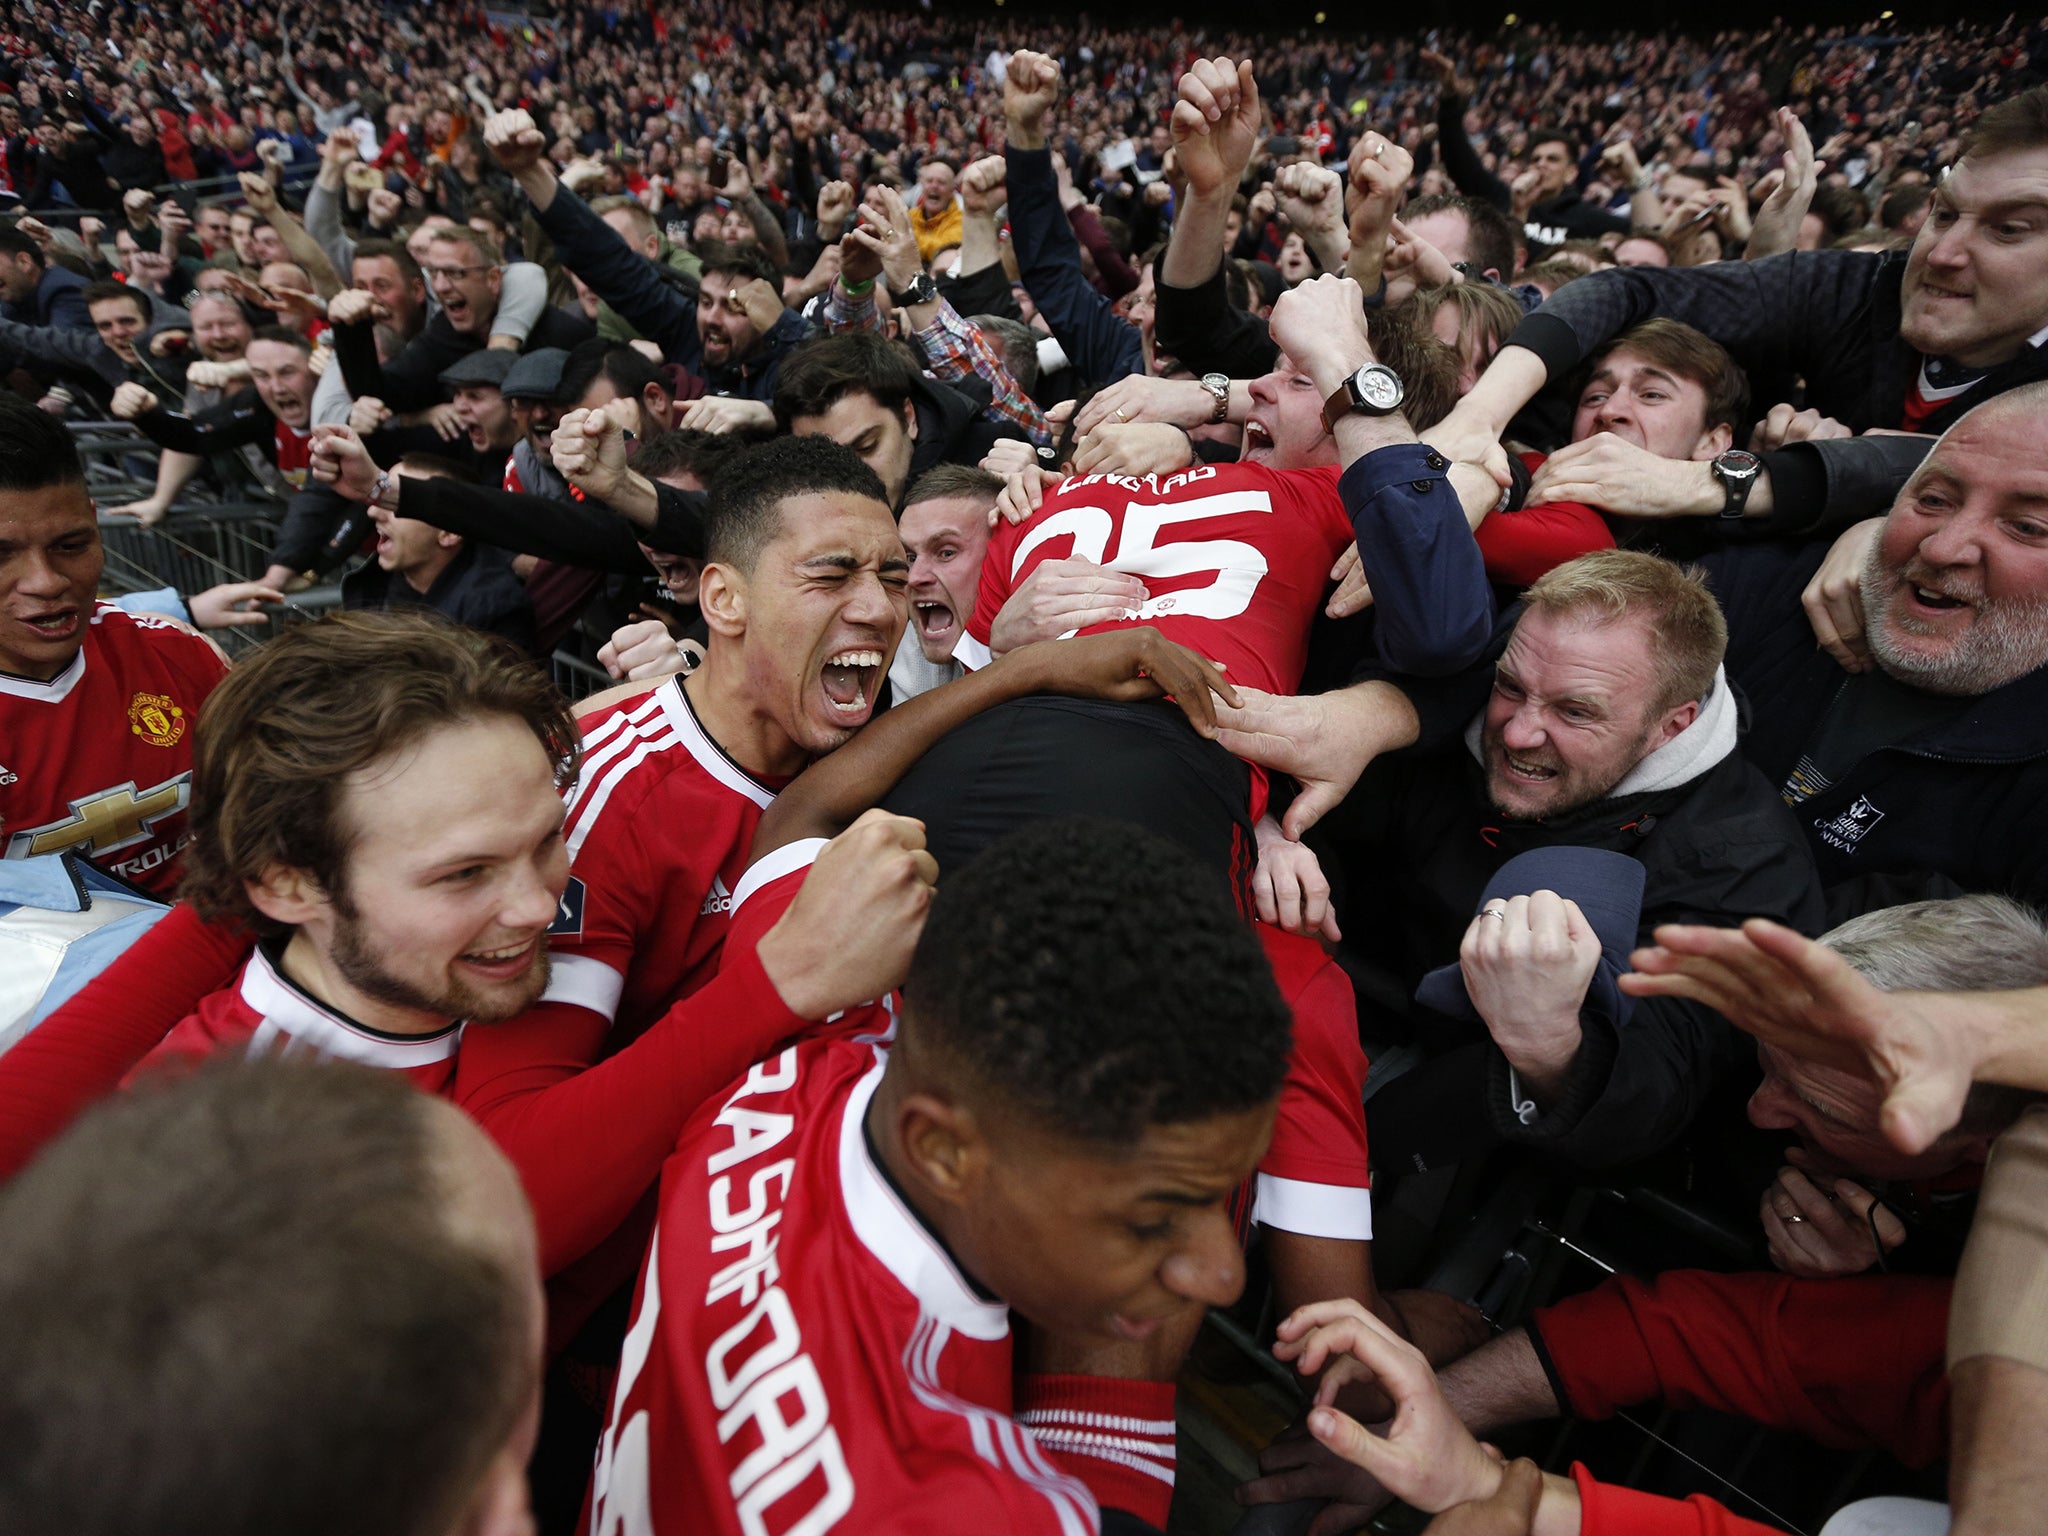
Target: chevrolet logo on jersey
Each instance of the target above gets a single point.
(113, 818)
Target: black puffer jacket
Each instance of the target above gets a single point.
(1720, 848)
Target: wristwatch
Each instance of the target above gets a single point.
(1218, 385)
(921, 289)
(1375, 390)
(1737, 472)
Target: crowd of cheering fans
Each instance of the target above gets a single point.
(1226, 664)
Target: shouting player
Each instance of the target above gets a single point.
(1085, 1072)
(96, 706)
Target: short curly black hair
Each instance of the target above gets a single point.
(744, 512)
(1098, 978)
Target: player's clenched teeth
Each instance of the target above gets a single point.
(847, 678)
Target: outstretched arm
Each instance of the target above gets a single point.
(1126, 664)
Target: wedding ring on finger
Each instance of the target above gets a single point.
(1499, 912)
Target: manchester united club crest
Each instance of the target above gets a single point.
(154, 718)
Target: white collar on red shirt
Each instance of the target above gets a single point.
(293, 1020)
(58, 688)
(55, 691)
(710, 756)
(892, 1232)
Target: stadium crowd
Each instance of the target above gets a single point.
(1232, 659)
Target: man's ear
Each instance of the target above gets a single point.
(448, 540)
(722, 598)
(286, 894)
(1675, 721)
(910, 418)
(945, 1146)
(1713, 443)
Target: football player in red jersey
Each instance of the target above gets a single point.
(376, 796)
(96, 706)
(1086, 1072)
(1235, 559)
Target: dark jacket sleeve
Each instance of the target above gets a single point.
(1461, 162)
(1819, 488)
(1434, 607)
(232, 424)
(312, 536)
(1103, 347)
(623, 278)
(585, 534)
(678, 521)
(983, 292)
(69, 348)
(412, 380)
(1783, 315)
(355, 354)
(1729, 851)
(1202, 329)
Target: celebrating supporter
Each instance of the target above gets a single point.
(278, 418)
(945, 528)
(423, 566)
(1902, 343)
(126, 322)
(465, 272)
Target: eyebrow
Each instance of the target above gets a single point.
(1178, 1197)
(459, 860)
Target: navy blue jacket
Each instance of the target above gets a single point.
(1102, 345)
(1967, 799)
(59, 300)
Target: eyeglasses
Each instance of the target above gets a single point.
(435, 274)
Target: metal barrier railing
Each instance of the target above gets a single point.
(202, 542)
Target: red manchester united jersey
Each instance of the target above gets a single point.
(1236, 558)
(265, 1013)
(660, 822)
(1315, 1178)
(804, 1354)
(99, 758)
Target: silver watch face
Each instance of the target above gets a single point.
(1379, 387)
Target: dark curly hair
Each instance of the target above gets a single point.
(1098, 978)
